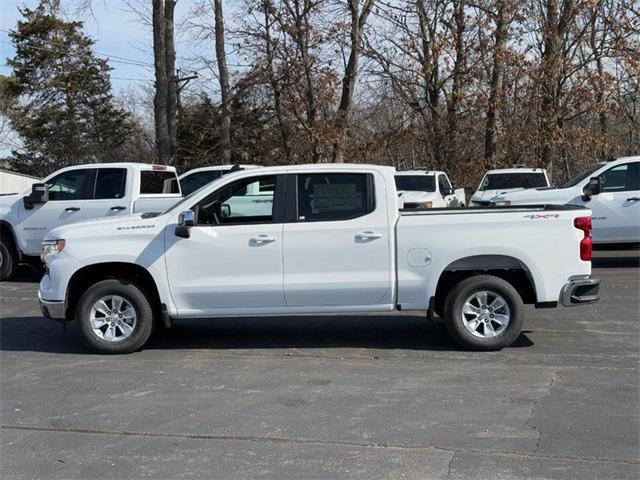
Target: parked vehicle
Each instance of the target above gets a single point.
(198, 177)
(610, 189)
(505, 180)
(329, 239)
(76, 193)
(427, 189)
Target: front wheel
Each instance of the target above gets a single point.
(484, 313)
(8, 261)
(114, 316)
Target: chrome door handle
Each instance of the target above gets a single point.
(72, 209)
(262, 239)
(368, 236)
(633, 199)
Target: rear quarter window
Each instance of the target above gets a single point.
(158, 182)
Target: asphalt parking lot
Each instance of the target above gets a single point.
(331, 397)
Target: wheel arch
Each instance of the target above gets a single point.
(7, 231)
(85, 277)
(507, 267)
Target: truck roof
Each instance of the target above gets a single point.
(213, 168)
(419, 172)
(319, 167)
(134, 165)
(518, 170)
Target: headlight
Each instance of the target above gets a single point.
(51, 247)
(426, 205)
(502, 203)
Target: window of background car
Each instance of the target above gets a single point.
(416, 183)
(244, 201)
(110, 183)
(621, 178)
(497, 181)
(71, 185)
(157, 182)
(196, 180)
(334, 196)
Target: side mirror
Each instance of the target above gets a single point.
(186, 220)
(225, 211)
(447, 191)
(594, 187)
(39, 194)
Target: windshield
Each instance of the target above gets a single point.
(416, 183)
(195, 180)
(574, 181)
(497, 181)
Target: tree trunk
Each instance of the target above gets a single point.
(223, 75)
(172, 84)
(459, 68)
(160, 100)
(556, 26)
(358, 21)
(496, 90)
(274, 82)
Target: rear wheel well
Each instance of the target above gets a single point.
(8, 237)
(510, 270)
(84, 278)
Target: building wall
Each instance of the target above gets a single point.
(11, 182)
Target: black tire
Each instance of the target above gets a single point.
(8, 261)
(132, 294)
(456, 299)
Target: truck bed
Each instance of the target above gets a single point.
(539, 239)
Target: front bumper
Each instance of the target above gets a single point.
(580, 291)
(53, 309)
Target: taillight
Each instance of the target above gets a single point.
(584, 224)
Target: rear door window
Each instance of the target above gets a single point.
(334, 196)
(158, 182)
(110, 183)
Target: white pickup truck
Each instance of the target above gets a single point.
(610, 189)
(328, 239)
(196, 178)
(419, 189)
(77, 193)
(507, 180)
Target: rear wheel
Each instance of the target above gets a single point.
(484, 313)
(114, 316)
(8, 261)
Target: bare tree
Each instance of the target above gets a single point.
(223, 78)
(358, 20)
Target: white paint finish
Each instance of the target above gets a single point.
(320, 267)
(221, 267)
(31, 225)
(616, 217)
(344, 262)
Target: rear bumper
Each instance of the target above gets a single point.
(53, 309)
(581, 290)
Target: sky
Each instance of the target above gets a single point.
(116, 32)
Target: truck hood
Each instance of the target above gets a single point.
(486, 195)
(409, 196)
(537, 196)
(7, 202)
(138, 222)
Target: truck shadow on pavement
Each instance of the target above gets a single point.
(402, 332)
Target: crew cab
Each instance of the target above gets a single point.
(427, 189)
(77, 193)
(610, 189)
(328, 239)
(505, 180)
(196, 178)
